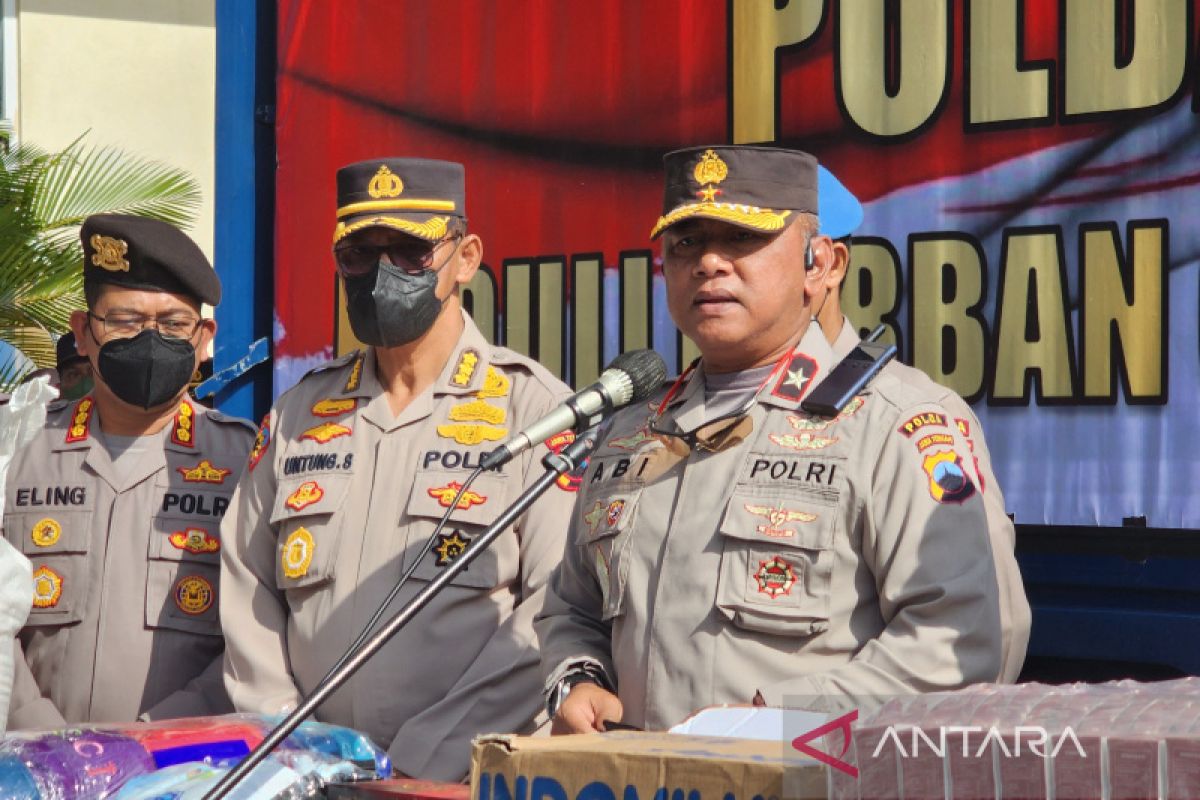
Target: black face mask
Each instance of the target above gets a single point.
(147, 370)
(391, 307)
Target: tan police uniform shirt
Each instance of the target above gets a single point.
(813, 560)
(125, 568)
(1015, 616)
(340, 500)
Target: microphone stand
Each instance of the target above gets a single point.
(556, 464)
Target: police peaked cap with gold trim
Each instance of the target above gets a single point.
(143, 253)
(417, 196)
(760, 188)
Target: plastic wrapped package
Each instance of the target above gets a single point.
(169, 758)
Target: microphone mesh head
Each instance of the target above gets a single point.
(646, 370)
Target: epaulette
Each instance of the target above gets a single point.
(229, 419)
(334, 363)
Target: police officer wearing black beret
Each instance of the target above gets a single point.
(117, 500)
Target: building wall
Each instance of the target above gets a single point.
(137, 74)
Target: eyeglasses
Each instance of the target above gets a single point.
(176, 325)
(711, 436)
(409, 254)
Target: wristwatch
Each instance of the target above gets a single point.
(580, 673)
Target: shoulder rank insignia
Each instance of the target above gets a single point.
(478, 411)
(948, 481)
(775, 577)
(570, 481)
(326, 432)
(110, 253)
(81, 421)
(802, 442)
(465, 369)
(331, 407)
(194, 595)
(261, 441)
(297, 553)
(449, 548)
(471, 434)
(495, 384)
(794, 382)
(776, 517)
(919, 421)
(47, 587)
(183, 431)
(204, 472)
(46, 532)
(195, 540)
(354, 379)
(305, 495)
(445, 496)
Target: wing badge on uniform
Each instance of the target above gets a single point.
(195, 540)
(804, 442)
(471, 434)
(334, 407)
(478, 411)
(777, 517)
(204, 472)
(326, 432)
(445, 496)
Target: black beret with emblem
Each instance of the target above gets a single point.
(417, 196)
(143, 253)
(760, 188)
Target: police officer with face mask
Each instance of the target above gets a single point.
(117, 501)
(354, 467)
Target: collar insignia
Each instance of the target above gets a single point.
(478, 411)
(195, 540)
(331, 407)
(110, 253)
(326, 432)
(305, 495)
(450, 547)
(471, 434)
(81, 421)
(204, 472)
(495, 384)
(794, 383)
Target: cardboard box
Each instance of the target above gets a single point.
(629, 765)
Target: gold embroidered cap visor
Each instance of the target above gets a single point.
(416, 196)
(143, 253)
(759, 188)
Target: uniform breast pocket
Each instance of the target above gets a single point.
(309, 529)
(433, 493)
(56, 542)
(777, 561)
(605, 525)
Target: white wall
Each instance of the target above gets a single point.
(139, 74)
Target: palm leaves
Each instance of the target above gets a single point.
(44, 197)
